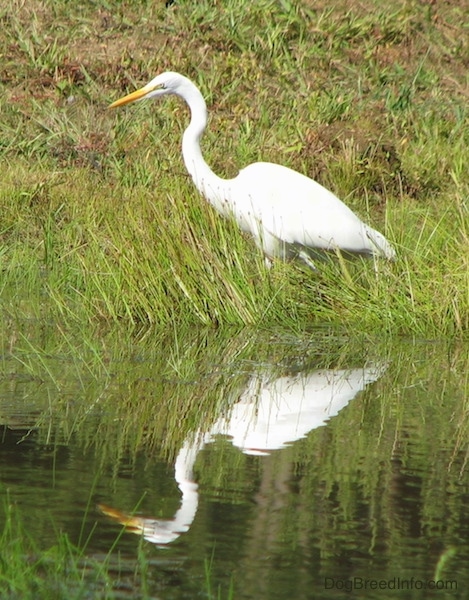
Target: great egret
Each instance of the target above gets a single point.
(289, 214)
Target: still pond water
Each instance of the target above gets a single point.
(309, 466)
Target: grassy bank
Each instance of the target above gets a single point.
(99, 217)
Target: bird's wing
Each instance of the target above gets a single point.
(295, 209)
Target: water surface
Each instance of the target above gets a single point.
(294, 466)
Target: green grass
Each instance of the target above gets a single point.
(208, 564)
(27, 571)
(100, 221)
(65, 571)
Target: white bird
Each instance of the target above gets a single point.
(288, 214)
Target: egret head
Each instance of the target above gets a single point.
(165, 83)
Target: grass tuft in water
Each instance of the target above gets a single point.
(61, 571)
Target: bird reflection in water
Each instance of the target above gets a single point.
(270, 414)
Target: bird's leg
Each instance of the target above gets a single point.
(376, 266)
(304, 257)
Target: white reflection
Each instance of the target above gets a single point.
(270, 414)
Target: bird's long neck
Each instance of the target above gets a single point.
(212, 187)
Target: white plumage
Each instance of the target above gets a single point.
(287, 213)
